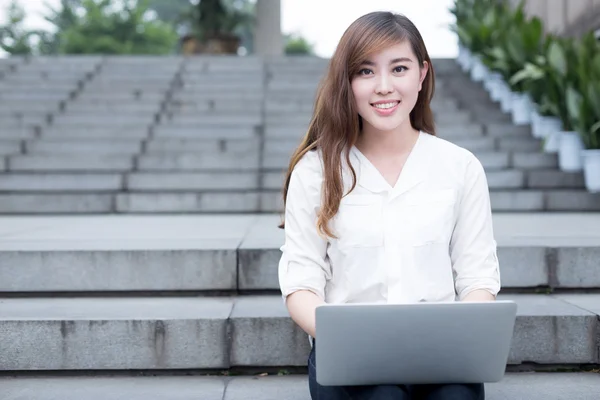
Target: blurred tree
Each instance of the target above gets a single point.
(14, 38)
(217, 25)
(297, 45)
(103, 27)
(170, 11)
(63, 19)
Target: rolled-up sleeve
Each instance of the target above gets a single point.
(304, 264)
(473, 249)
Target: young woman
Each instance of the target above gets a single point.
(377, 208)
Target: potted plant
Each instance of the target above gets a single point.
(583, 103)
(213, 27)
(591, 159)
(542, 78)
(581, 95)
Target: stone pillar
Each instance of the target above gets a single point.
(268, 40)
(556, 21)
(565, 16)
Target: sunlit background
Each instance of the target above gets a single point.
(323, 22)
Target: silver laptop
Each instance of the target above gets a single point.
(454, 342)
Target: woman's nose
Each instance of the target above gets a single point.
(384, 84)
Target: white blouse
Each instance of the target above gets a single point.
(428, 238)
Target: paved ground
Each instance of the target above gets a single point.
(520, 386)
(248, 231)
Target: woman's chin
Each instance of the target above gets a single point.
(385, 126)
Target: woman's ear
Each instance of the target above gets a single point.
(423, 73)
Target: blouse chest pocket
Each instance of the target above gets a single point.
(428, 217)
(358, 221)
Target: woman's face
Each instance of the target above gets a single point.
(387, 86)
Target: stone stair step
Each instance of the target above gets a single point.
(108, 133)
(16, 133)
(193, 333)
(205, 160)
(125, 122)
(524, 385)
(504, 200)
(79, 107)
(62, 203)
(252, 96)
(8, 147)
(504, 179)
(212, 107)
(544, 200)
(266, 201)
(56, 182)
(208, 119)
(88, 163)
(191, 202)
(118, 102)
(555, 179)
(16, 107)
(524, 145)
(131, 96)
(216, 85)
(528, 161)
(164, 144)
(217, 252)
(199, 132)
(133, 114)
(181, 181)
(503, 130)
(84, 146)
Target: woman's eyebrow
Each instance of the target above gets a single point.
(394, 61)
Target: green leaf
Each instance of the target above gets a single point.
(573, 102)
(595, 128)
(557, 59)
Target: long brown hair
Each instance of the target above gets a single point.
(336, 124)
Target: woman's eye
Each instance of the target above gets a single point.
(400, 69)
(364, 71)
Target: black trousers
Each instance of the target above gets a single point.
(390, 392)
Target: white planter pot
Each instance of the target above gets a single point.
(569, 152)
(521, 109)
(591, 170)
(465, 58)
(535, 118)
(506, 98)
(552, 141)
(460, 59)
(478, 71)
(490, 81)
(497, 86)
(548, 126)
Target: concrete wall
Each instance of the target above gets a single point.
(568, 17)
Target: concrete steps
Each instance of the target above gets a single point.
(530, 386)
(240, 253)
(82, 201)
(164, 125)
(189, 292)
(199, 294)
(96, 333)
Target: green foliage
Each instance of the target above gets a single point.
(297, 45)
(561, 75)
(63, 19)
(169, 10)
(91, 27)
(104, 29)
(218, 18)
(14, 38)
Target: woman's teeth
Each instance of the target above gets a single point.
(385, 105)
